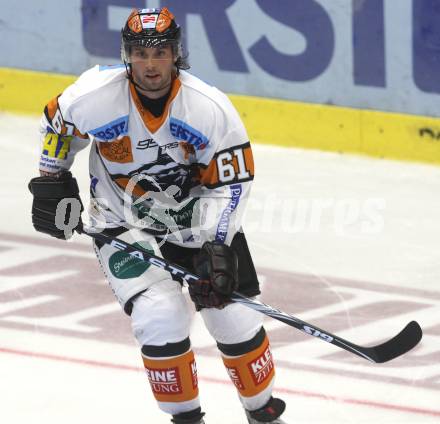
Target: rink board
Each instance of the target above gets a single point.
(278, 122)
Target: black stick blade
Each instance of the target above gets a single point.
(408, 338)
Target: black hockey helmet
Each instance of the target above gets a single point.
(150, 28)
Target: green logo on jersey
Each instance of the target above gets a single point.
(123, 265)
(169, 218)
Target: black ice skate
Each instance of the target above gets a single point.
(269, 413)
(192, 417)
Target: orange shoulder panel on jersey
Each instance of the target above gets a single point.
(229, 166)
(59, 124)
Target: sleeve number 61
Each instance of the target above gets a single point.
(226, 169)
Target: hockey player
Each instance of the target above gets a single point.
(171, 167)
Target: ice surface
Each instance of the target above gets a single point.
(349, 243)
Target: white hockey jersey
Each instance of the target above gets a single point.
(185, 174)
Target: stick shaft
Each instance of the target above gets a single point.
(400, 344)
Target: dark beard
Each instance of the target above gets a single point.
(151, 90)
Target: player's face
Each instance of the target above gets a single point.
(152, 69)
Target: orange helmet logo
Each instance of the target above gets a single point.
(164, 20)
(134, 21)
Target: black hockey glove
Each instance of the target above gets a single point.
(217, 264)
(48, 192)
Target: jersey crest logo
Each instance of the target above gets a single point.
(117, 151)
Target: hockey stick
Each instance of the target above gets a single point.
(408, 338)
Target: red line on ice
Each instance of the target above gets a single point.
(93, 363)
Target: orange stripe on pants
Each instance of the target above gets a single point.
(252, 372)
(173, 379)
